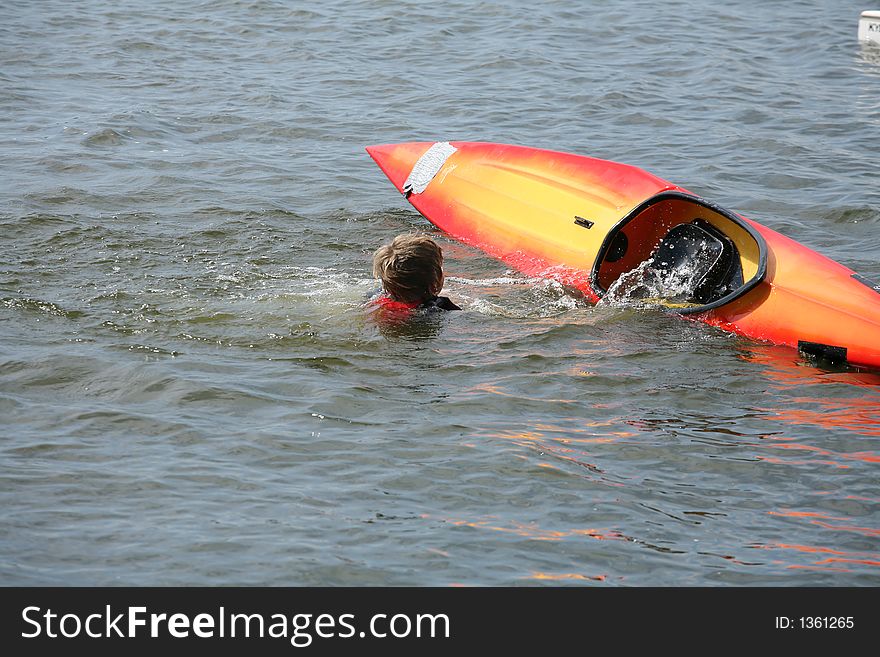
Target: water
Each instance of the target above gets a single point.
(191, 392)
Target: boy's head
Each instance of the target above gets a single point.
(410, 268)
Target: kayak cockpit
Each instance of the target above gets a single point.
(681, 252)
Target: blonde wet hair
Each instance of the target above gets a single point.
(410, 268)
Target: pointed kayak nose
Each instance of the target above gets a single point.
(398, 160)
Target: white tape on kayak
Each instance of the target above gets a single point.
(427, 166)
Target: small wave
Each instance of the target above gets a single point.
(317, 286)
(484, 306)
(500, 280)
(37, 305)
(105, 137)
(525, 298)
(148, 349)
(855, 215)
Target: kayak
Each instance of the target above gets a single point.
(611, 229)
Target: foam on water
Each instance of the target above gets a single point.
(508, 296)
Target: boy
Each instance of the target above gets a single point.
(411, 271)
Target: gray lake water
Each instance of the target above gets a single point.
(191, 392)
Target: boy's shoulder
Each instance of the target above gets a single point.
(439, 303)
(384, 302)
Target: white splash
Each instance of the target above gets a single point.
(488, 282)
(653, 285)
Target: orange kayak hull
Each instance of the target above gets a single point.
(552, 214)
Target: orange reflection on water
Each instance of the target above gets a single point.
(567, 576)
(821, 519)
(833, 570)
(799, 548)
(786, 367)
(865, 457)
(494, 389)
(840, 557)
(867, 531)
(862, 499)
(864, 562)
(806, 448)
(555, 447)
(559, 453)
(855, 415)
(804, 514)
(770, 459)
(592, 431)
